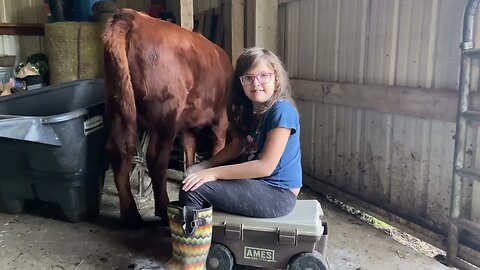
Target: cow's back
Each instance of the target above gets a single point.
(173, 64)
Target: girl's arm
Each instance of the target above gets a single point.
(275, 144)
(228, 153)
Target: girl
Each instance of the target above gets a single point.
(265, 122)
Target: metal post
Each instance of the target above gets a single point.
(461, 128)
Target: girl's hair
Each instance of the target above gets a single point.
(240, 108)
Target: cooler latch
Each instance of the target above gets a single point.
(233, 231)
(287, 237)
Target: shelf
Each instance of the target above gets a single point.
(21, 29)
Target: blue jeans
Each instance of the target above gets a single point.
(248, 197)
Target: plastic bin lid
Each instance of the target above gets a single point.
(305, 217)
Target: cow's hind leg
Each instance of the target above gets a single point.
(158, 156)
(121, 146)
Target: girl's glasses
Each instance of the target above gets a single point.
(263, 78)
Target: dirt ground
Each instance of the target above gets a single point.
(39, 239)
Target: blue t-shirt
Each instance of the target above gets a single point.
(288, 173)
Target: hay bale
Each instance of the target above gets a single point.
(75, 51)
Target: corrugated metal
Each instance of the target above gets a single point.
(396, 162)
(291, 37)
(22, 11)
(348, 159)
(377, 41)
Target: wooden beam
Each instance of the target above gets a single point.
(250, 31)
(281, 2)
(234, 19)
(186, 14)
(21, 29)
(438, 104)
(183, 12)
(262, 24)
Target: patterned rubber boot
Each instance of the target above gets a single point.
(191, 232)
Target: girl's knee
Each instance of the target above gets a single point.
(184, 196)
(190, 198)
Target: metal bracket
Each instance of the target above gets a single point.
(287, 237)
(233, 231)
(92, 124)
(466, 45)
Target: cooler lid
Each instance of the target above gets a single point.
(305, 217)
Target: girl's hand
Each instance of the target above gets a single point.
(194, 180)
(198, 167)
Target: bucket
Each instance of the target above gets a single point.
(6, 73)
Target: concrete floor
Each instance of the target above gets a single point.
(38, 240)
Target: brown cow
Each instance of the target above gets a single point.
(168, 80)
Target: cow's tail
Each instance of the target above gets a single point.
(115, 42)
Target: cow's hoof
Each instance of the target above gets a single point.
(163, 222)
(133, 222)
(163, 219)
(155, 222)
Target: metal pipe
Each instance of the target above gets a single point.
(460, 139)
(468, 224)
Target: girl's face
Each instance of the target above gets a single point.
(259, 83)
